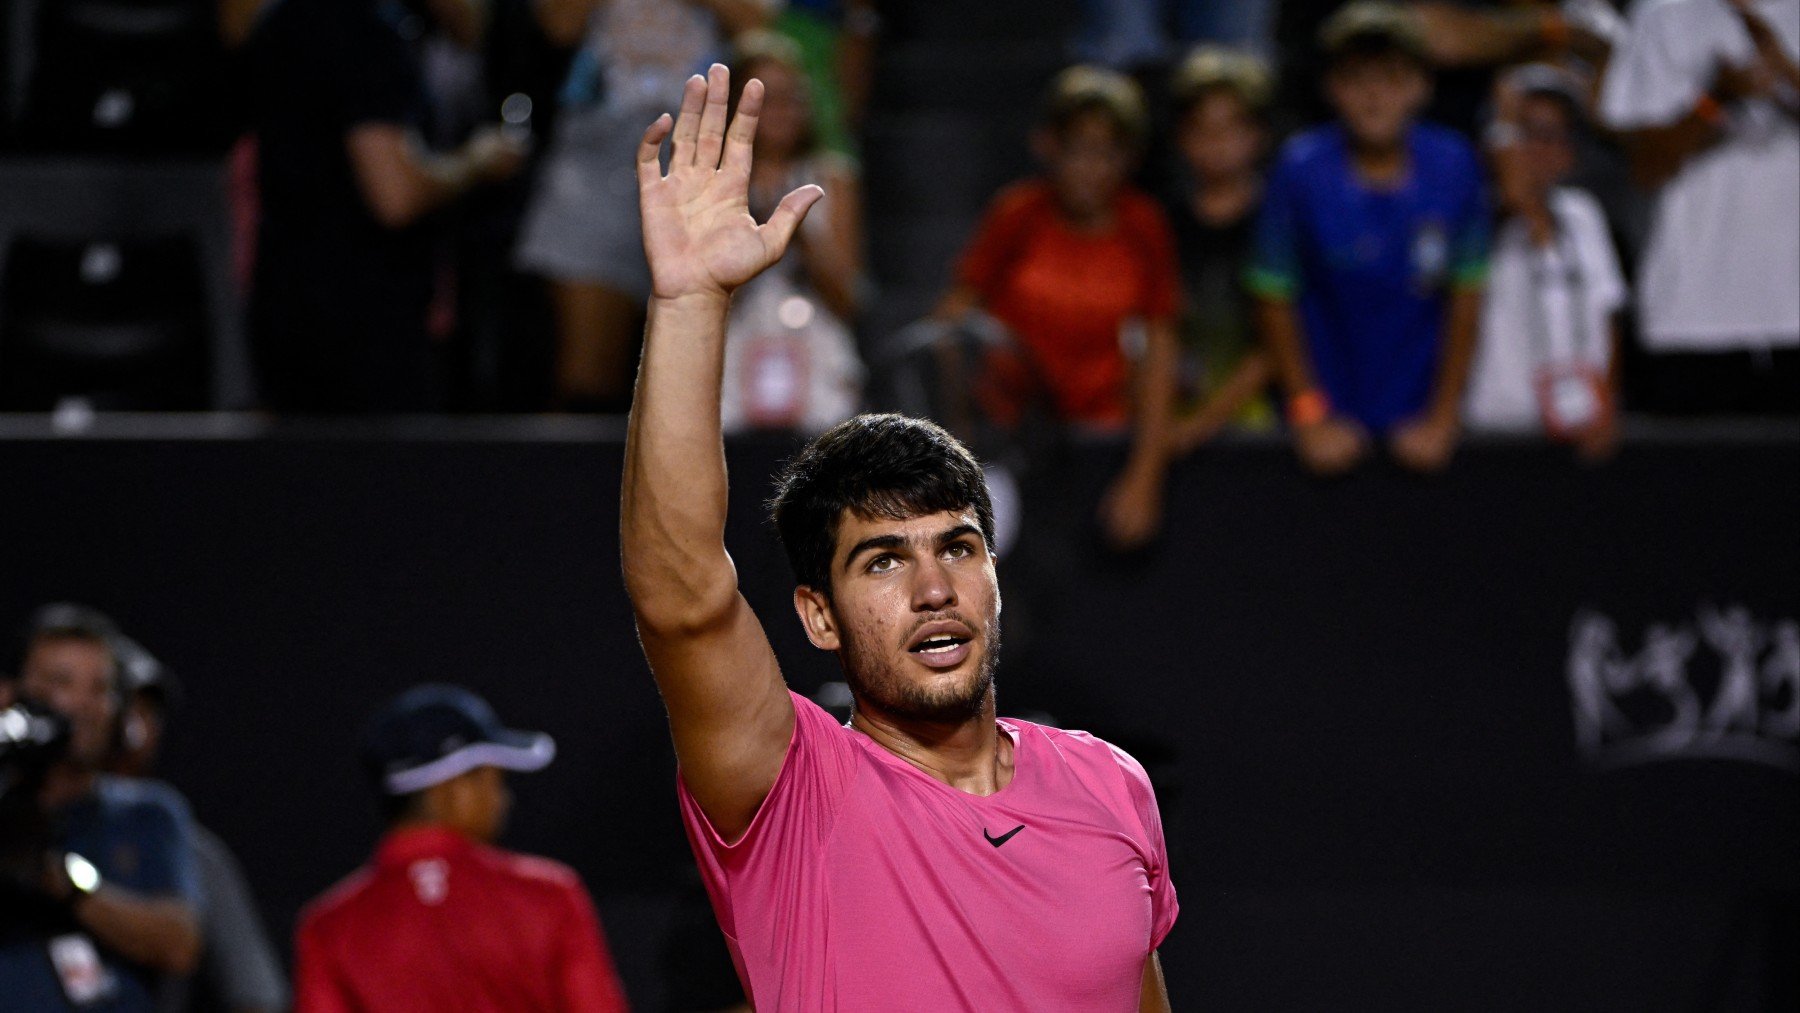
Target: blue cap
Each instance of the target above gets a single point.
(430, 734)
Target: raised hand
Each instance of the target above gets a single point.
(699, 235)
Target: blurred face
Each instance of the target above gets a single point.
(1219, 138)
(476, 803)
(1377, 97)
(1548, 151)
(73, 676)
(914, 614)
(787, 109)
(1088, 162)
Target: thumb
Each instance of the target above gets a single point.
(780, 228)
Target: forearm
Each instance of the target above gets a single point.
(1462, 317)
(1457, 36)
(1155, 406)
(1250, 378)
(1658, 153)
(154, 931)
(1282, 335)
(737, 16)
(672, 534)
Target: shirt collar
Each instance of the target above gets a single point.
(409, 844)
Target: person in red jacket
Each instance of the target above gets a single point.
(440, 919)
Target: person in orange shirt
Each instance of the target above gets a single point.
(1075, 263)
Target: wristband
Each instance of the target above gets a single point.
(1309, 407)
(1711, 112)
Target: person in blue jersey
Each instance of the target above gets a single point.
(1370, 255)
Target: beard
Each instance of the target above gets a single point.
(875, 675)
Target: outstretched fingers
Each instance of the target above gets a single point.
(687, 124)
(779, 230)
(712, 118)
(649, 164)
(741, 138)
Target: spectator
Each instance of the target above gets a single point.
(239, 972)
(837, 52)
(1707, 94)
(1221, 101)
(1549, 336)
(1068, 263)
(1370, 257)
(790, 358)
(345, 267)
(102, 898)
(581, 230)
(440, 919)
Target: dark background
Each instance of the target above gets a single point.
(1352, 695)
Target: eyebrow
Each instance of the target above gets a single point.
(891, 541)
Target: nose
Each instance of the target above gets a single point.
(932, 589)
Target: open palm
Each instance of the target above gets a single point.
(699, 235)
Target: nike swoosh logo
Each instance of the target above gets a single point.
(1003, 838)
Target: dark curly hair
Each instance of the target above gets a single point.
(877, 466)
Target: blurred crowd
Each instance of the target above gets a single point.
(113, 897)
(1377, 225)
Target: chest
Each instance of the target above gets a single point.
(1370, 237)
(1055, 889)
(1079, 279)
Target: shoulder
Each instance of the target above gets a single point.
(529, 872)
(1310, 150)
(1089, 753)
(1023, 199)
(335, 905)
(142, 799)
(1445, 146)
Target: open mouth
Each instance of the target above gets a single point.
(938, 643)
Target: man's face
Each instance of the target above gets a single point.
(1089, 163)
(1377, 97)
(914, 614)
(73, 676)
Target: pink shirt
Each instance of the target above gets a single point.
(864, 883)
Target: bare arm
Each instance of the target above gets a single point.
(158, 932)
(1328, 445)
(1459, 36)
(1251, 377)
(834, 252)
(728, 707)
(401, 182)
(1153, 996)
(1132, 509)
(564, 21)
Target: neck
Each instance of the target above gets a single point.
(65, 785)
(1221, 198)
(1380, 163)
(970, 756)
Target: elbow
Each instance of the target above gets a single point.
(671, 603)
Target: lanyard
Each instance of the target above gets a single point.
(1573, 283)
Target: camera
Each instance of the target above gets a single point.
(32, 740)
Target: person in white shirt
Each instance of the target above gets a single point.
(1707, 96)
(1547, 359)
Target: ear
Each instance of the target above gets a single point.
(816, 617)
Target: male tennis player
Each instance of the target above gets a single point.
(926, 856)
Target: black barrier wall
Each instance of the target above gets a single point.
(1523, 736)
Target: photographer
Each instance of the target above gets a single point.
(99, 881)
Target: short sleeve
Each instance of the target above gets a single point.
(1473, 230)
(1004, 230)
(1586, 222)
(165, 837)
(1274, 271)
(1162, 267)
(1668, 57)
(793, 822)
(1163, 906)
(589, 980)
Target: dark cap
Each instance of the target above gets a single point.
(430, 734)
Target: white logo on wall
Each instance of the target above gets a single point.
(1721, 686)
